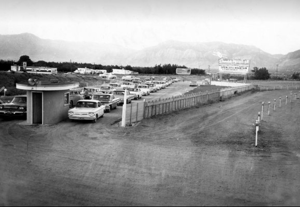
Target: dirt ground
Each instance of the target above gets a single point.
(199, 156)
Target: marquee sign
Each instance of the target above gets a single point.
(236, 66)
(183, 71)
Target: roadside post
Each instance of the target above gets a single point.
(274, 104)
(130, 114)
(279, 102)
(262, 110)
(269, 108)
(291, 94)
(123, 124)
(256, 132)
(258, 117)
(286, 100)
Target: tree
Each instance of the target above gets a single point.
(261, 74)
(296, 76)
(25, 58)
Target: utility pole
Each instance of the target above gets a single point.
(277, 71)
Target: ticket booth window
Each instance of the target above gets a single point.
(67, 98)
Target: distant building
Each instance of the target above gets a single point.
(121, 71)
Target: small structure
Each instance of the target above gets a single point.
(47, 101)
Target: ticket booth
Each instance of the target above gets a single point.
(47, 102)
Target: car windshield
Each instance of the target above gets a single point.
(119, 92)
(84, 104)
(19, 100)
(102, 97)
(105, 87)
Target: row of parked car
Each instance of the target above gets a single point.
(90, 103)
(93, 101)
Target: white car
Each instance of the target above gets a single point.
(87, 110)
(137, 92)
(145, 88)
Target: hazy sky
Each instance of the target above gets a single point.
(271, 25)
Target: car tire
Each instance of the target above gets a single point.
(95, 120)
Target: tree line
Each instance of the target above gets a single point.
(72, 66)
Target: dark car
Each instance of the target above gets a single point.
(16, 108)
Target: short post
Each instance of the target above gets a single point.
(269, 108)
(130, 114)
(279, 102)
(123, 123)
(286, 100)
(274, 104)
(256, 131)
(137, 111)
(258, 117)
(262, 110)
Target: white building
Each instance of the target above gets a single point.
(121, 71)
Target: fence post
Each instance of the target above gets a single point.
(269, 108)
(123, 123)
(144, 112)
(137, 111)
(130, 112)
(262, 110)
(256, 132)
(279, 102)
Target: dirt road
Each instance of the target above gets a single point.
(199, 156)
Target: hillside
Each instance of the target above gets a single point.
(200, 54)
(190, 54)
(14, 46)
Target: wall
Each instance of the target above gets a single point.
(29, 110)
(54, 108)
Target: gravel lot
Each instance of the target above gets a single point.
(200, 156)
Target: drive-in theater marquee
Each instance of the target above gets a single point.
(235, 66)
(183, 71)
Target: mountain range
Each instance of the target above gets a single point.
(191, 54)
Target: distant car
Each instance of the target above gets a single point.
(145, 88)
(193, 83)
(109, 100)
(115, 85)
(137, 92)
(87, 110)
(75, 96)
(16, 108)
(120, 93)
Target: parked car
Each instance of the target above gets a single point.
(87, 110)
(145, 88)
(120, 93)
(137, 92)
(115, 85)
(193, 83)
(111, 102)
(128, 85)
(76, 94)
(16, 108)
